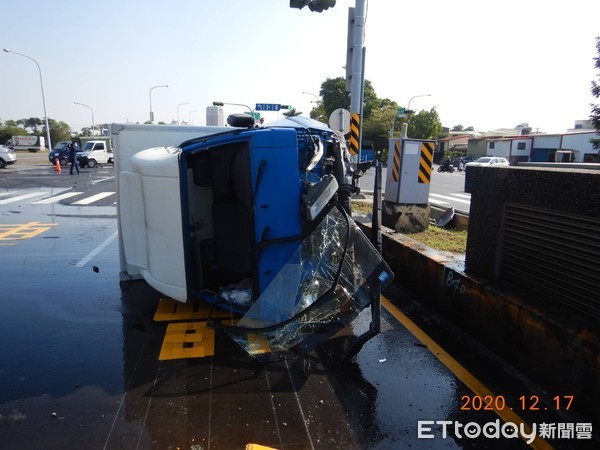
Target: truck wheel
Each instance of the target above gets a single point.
(2, 164)
(91, 163)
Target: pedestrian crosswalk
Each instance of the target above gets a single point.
(445, 200)
(46, 197)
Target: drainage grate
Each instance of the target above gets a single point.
(557, 254)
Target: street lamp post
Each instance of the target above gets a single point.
(411, 99)
(314, 95)
(43, 96)
(90, 108)
(181, 104)
(190, 116)
(234, 104)
(151, 89)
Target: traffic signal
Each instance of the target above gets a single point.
(285, 106)
(321, 5)
(313, 5)
(299, 3)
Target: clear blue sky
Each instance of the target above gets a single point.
(485, 64)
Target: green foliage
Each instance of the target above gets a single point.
(379, 115)
(292, 112)
(10, 128)
(59, 131)
(425, 125)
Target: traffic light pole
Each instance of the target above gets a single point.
(358, 54)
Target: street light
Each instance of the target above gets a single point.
(151, 89)
(234, 104)
(190, 116)
(314, 95)
(43, 96)
(181, 104)
(411, 99)
(90, 108)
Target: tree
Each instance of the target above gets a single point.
(59, 131)
(10, 128)
(292, 112)
(595, 114)
(333, 94)
(457, 128)
(425, 125)
(378, 127)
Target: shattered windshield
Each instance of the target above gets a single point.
(332, 276)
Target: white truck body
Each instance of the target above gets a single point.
(28, 143)
(156, 253)
(94, 153)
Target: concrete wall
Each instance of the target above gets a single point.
(565, 190)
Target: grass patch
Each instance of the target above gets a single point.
(444, 239)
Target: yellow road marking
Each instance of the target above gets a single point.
(169, 309)
(10, 232)
(187, 340)
(457, 369)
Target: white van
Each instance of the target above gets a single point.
(94, 153)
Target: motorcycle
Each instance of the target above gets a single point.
(446, 168)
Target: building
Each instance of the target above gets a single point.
(214, 116)
(564, 147)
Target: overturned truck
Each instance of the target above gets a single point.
(255, 221)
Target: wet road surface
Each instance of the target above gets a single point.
(80, 367)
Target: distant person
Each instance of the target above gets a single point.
(461, 164)
(73, 158)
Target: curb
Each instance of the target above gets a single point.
(551, 345)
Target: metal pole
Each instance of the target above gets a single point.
(411, 99)
(357, 52)
(190, 116)
(151, 89)
(43, 96)
(90, 108)
(181, 104)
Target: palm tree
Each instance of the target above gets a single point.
(292, 112)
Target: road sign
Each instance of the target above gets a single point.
(339, 120)
(267, 107)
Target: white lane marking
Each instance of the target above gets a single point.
(103, 179)
(454, 199)
(22, 197)
(93, 198)
(56, 198)
(463, 195)
(97, 250)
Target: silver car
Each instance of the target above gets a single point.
(7, 156)
(489, 161)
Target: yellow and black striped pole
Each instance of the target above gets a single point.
(396, 162)
(426, 162)
(354, 133)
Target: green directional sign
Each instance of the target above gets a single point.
(401, 112)
(256, 115)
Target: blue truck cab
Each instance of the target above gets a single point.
(254, 221)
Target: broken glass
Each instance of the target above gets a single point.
(330, 278)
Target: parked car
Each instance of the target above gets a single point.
(60, 151)
(466, 159)
(94, 153)
(7, 156)
(489, 161)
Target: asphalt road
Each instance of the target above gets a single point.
(81, 364)
(446, 189)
